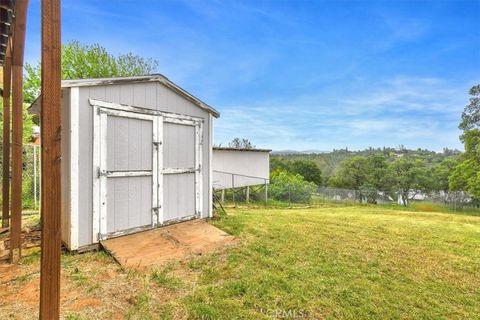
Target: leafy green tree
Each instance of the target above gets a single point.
(308, 170)
(243, 143)
(466, 176)
(378, 177)
(378, 173)
(471, 113)
(352, 173)
(441, 173)
(286, 186)
(81, 61)
(409, 178)
(278, 164)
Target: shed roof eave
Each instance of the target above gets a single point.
(135, 79)
(241, 149)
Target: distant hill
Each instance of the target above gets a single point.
(289, 152)
(329, 161)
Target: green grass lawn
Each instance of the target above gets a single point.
(351, 262)
(356, 262)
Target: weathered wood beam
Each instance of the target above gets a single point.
(51, 157)
(7, 79)
(18, 49)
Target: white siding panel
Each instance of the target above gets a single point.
(155, 96)
(250, 168)
(129, 203)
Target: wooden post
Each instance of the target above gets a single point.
(7, 78)
(17, 132)
(247, 196)
(223, 196)
(51, 157)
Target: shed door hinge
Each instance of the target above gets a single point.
(101, 173)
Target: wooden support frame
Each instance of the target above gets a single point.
(51, 157)
(7, 79)
(18, 49)
(199, 168)
(210, 168)
(101, 174)
(102, 109)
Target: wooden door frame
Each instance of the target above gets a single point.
(100, 111)
(197, 169)
(100, 203)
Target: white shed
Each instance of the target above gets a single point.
(136, 154)
(236, 168)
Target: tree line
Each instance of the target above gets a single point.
(398, 173)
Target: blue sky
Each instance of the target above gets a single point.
(301, 74)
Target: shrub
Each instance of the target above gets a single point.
(291, 187)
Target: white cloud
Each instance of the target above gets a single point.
(417, 112)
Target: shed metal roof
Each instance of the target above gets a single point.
(241, 149)
(136, 79)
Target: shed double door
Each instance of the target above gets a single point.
(148, 171)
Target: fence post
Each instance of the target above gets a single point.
(223, 196)
(266, 192)
(289, 195)
(35, 177)
(233, 189)
(247, 196)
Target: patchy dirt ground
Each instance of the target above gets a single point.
(93, 285)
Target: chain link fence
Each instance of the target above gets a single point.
(454, 199)
(31, 178)
(291, 194)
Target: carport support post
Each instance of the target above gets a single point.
(17, 123)
(7, 78)
(266, 192)
(51, 156)
(233, 189)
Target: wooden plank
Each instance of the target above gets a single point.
(179, 170)
(7, 78)
(160, 197)
(210, 168)
(51, 157)
(74, 167)
(155, 146)
(103, 177)
(120, 174)
(176, 241)
(17, 123)
(96, 177)
(128, 108)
